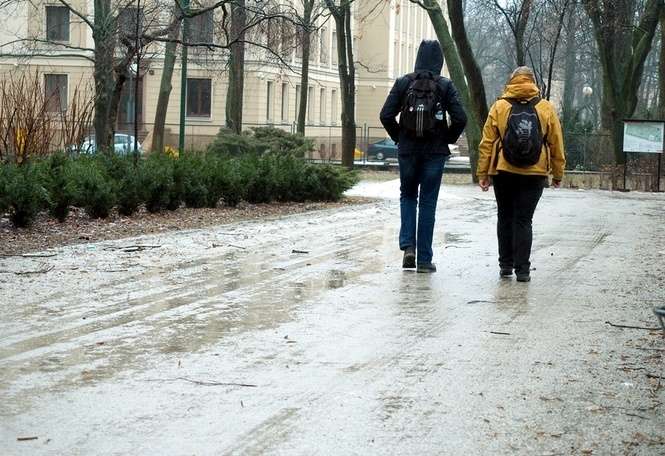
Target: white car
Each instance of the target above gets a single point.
(122, 144)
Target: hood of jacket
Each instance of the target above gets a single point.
(430, 57)
(521, 87)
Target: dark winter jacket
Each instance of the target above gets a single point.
(430, 58)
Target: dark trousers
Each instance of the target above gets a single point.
(516, 198)
(420, 180)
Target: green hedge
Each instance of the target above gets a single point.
(261, 140)
(101, 183)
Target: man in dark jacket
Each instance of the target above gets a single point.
(421, 159)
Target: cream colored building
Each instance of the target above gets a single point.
(385, 43)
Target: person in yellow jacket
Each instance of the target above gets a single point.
(518, 186)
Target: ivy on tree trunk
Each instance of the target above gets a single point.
(474, 126)
(305, 42)
(103, 35)
(165, 88)
(623, 51)
(235, 92)
(661, 68)
(347, 77)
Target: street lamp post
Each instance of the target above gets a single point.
(587, 91)
(183, 77)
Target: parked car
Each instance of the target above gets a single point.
(122, 145)
(382, 150)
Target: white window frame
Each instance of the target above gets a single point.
(212, 100)
(323, 115)
(69, 31)
(310, 105)
(66, 75)
(270, 101)
(333, 107)
(285, 103)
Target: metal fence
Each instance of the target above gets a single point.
(327, 139)
(593, 153)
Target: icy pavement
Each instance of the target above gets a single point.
(302, 335)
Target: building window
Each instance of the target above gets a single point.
(273, 31)
(57, 23)
(285, 103)
(270, 96)
(324, 45)
(333, 102)
(127, 21)
(297, 101)
(198, 97)
(310, 105)
(201, 28)
(300, 38)
(313, 44)
(286, 37)
(322, 107)
(333, 56)
(55, 92)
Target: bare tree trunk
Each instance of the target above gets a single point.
(474, 127)
(570, 70)
(349, 95)
(122, 74)
(661, 68)
(104, 38)
(306, 44)
(165, 88)
(555, 45)
(623, 52)
(520, 30)
(472, 71)
(347, 77)
(235, 92)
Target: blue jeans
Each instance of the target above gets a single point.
(419, 172)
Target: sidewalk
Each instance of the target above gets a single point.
(302, 335)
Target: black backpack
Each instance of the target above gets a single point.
(421, 109)
(523, 140)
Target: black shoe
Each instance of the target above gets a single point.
(409, 260)
(426, 268)
(505, 272)
(523, 277)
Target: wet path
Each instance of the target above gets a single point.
(303, 335)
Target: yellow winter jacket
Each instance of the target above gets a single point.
(491, 160)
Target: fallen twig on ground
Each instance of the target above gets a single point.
(204, 383)
(480, 301)
(499, 333)
(28, 255)
(133, 248)
(25, 439)
(215, 246)
(646, 328)
(299, 251)
(38, 271)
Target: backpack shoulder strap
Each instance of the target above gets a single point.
(534, 101)
(512, 101)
